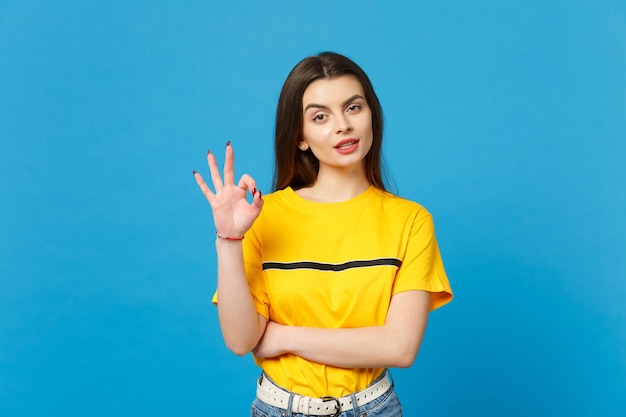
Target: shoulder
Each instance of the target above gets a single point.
(276, 205)
(279, 197)
(400, 204)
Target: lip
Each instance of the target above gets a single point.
(347, 146)
(345, 142)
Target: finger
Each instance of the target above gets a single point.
(257, 352)
(257, 200)
(203, 186)
(247, 183)
(229, 165)
(215, 172)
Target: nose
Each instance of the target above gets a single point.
(343, 124)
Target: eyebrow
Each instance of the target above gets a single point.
(321, 106)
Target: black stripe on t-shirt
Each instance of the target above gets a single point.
(320, 266)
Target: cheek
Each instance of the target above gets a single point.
(367, 137)
(365, 123)
(315, 134)
(367, 130)
(368, 146)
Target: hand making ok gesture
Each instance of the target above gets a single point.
(232, 213)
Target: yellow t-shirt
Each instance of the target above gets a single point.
(337, 266)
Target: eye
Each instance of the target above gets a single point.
(319, 117)
(354, 107)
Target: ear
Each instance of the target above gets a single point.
(303, 146)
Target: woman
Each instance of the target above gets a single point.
(335, 278)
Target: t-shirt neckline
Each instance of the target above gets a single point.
(294, 198)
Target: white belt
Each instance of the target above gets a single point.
(272, 394)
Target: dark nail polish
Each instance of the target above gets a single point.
(253, 191)
(208, 153)
(194, 172)
(260, 194)
(228, 143)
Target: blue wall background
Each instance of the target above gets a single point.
(507, 120)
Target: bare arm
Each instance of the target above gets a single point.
(394, 344)
(241, 325)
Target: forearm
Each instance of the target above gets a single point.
(240, 323)
(366, 347)
(394, 344)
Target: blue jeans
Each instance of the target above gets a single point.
(387, 405)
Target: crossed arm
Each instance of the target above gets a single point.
(394, 344)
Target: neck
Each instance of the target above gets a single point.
(334, 186)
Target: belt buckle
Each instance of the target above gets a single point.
(329, 398)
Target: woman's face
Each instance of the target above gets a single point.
(337, 123)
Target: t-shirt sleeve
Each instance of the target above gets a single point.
(253, 265)
(422, 266)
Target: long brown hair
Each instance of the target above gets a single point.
(297, 168)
